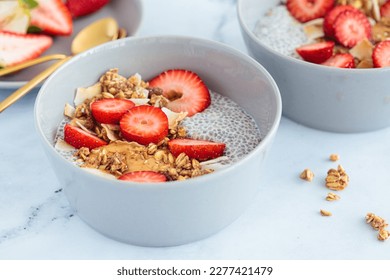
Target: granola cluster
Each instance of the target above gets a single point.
(119, 156)
(337, 179)
(378, 224)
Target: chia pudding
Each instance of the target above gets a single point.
(222, 122)
(338, 33)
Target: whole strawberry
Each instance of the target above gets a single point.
(80, 8)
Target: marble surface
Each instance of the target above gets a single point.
(283, 222)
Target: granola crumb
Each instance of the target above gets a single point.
(383, 234)
(325, 213)
(337, 179)
(334, 157)
(375, 221)
(332, 197)
(307, 175)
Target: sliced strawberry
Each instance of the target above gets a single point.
(197, 149)
(306, 10)
(143, 177)
(79, 8)
(385, 9)
(331, 16)
(16, 48)
(144, 124)
(79, 138)
(110, 110)
(381, 54)
(316, 52)
(53, 17)
(185, 90)
(351, 27)
(342, 60)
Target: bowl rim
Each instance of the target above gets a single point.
(265, 141)
(315, 67)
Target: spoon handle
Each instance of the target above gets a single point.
(16, 95)
(11, 69)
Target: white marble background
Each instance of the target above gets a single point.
(283, 222)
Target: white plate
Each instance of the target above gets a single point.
(127, 13)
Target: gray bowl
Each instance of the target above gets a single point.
(170, 213)
(332, 99)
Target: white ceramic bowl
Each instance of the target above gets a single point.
(333, 99)
(170, 213)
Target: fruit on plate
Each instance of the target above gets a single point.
(351, 27)
(79, 8)
(16, 48)
(184, 89)
(316, 52)
(341, 60)
(79, 138)
(197, 149)
(144, 124)
(14, 16)
(110, 110)
(306, 10)
(143, 177)
(52, 17)
(381, 54)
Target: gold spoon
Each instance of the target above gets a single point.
(97, 33)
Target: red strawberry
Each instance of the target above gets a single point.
(16, 48)
(381, 54)
(342, 60)
(85, 7)
(53, 17)
(351, 27)
(184, 89)
(385, 9)
(306, 10)
(316, 52)
(331, 16)
(143, 177)
(110, 110)
(79, 138)
(197, 149)
(144, 124)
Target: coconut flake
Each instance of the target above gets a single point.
(174, 118)
(79, 124)
(376, 10)
(314, 29)
(69, 110)
(216, 163)
(140, 101)
(110, 130)
(62, 146)
(362, 50)
(83, 94)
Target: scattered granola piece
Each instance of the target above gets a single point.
(307, 175)
(325, 213)
(332, 197)
(337, 180)
(375, 221)
(383, 234)
(334, 157)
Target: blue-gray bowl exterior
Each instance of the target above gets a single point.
(170, 213)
